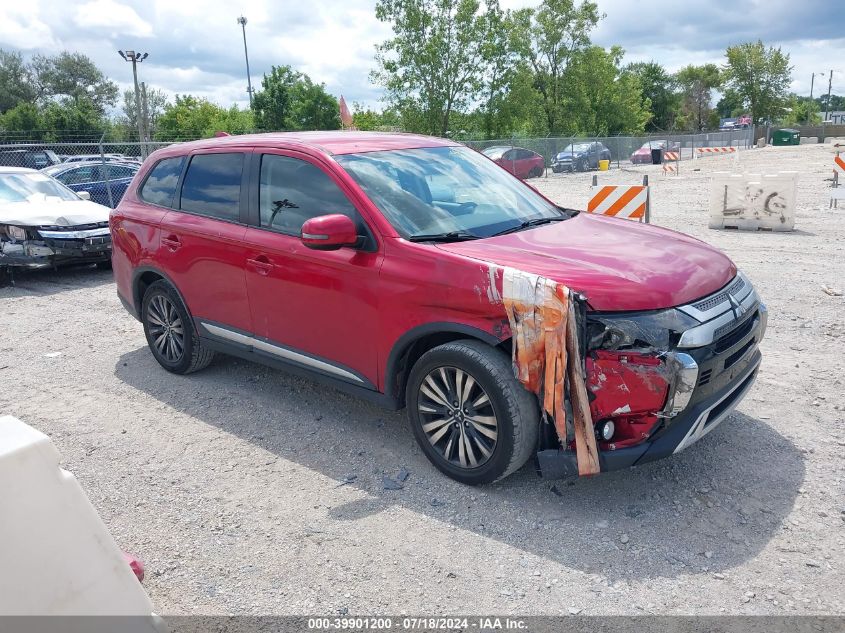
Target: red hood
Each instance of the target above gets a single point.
(616, 264)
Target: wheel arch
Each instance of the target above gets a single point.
(143, 278)
(417, 341)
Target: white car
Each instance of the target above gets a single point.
(45, 224)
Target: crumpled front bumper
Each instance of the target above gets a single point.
(685, 429)
(50, 253)
(723, 357)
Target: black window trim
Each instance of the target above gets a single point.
(253, 216)
(149, 173)
(243, 202)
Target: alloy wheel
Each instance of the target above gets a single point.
(166, 328)
(457, 417)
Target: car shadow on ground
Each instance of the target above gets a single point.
(47, 281)
(709, 508)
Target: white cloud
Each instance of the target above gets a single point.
(196, 46)
(111, 15)
(21, 27)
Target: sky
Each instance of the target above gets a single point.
(196, 46)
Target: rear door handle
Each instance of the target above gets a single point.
(172, 242)
(261, 264)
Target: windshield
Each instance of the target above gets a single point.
(32, 187)
(578, 147)
(445, 190)
(494, 152)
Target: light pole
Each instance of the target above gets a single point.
(242, 22)
(136, 58)
(812, 80)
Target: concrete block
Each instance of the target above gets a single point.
(57, 557)
(753, 201)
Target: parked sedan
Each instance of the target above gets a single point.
(45, 224)
(96, 179)
(643, 155)
(580, 157)
(522, 163)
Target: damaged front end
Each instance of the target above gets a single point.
(635, 374)
(660, 380)
(53, 245)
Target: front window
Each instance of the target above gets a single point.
(32, 187)
(577, 148)
(447, 191)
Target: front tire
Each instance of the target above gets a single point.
(470, 415)
(170, 333)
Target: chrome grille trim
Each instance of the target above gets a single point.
(722, 312)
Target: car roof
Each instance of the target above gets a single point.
(333, 142)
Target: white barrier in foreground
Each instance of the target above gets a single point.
(56, 556)
(753, 201)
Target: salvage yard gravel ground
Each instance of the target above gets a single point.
(249, 491)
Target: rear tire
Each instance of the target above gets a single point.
(170, 332)
(536, 173)
(493, 429)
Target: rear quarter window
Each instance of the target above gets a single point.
(160, 186)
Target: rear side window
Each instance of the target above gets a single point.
(212, 186)
(293, 191)
(160, 186)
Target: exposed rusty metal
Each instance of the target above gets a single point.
(546, 353)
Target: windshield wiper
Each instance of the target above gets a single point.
(528, 224)
(451, 236)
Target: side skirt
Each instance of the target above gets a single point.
(257, 356)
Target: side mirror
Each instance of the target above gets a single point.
(329, 232)
(84, 195)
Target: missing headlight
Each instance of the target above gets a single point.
(641, 330)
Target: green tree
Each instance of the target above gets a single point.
(698, 83)
(24, 117)
(660, 88)
(72, 119)
(602, 99)
(194, 117)
(312, 107)
(801, 110)
(730, 105)
(435, 63)
(760, 76)
(548, 38)
(16, 81)
(837, 103)
(156, 102)
(74, 76)
(272, 104)
(290, 100)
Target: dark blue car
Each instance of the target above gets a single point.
(96, 179)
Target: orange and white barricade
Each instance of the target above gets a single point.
(671, 157)
(701, 152)
(620, 201)
(837, 193)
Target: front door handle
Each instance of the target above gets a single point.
(172, 242)
(261, 264)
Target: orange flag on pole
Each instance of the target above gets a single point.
(345, 115)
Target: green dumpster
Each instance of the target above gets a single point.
(786, 137)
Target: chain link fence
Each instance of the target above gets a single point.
(103, 170)
(624, 151)
(99, 171)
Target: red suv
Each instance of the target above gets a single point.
(375, 263)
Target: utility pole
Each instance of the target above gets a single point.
(827, 103)
(136, 58)
(145, 111)
(242, 22)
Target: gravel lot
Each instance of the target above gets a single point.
(228, 483)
